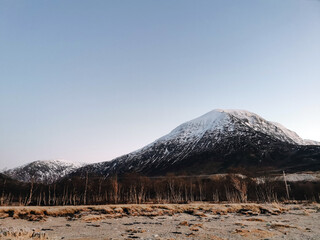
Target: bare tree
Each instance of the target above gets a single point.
(31, 191)
(2, 195)
(286, 184)
(85, 190)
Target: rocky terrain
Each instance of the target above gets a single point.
(162, 221)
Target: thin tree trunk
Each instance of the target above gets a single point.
(85, 190)
(30, 193)
(2, 195)
(285, 183)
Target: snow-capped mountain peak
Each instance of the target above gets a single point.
(260, 124)
(46, 171)
(219, 120)
(198, 126)
(215, 141)
(211, 143)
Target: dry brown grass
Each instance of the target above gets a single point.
(280, 225)
(255, 220)
(93, 218)
(254, 233)
(92, 213)
(184, 223)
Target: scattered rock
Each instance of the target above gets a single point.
(93, 225)
(135, 231)
(194, 229)
(190, 234)
(255, 220)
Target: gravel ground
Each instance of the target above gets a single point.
(295, 222)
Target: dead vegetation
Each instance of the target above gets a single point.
(254, 233)
(96, 213)
(163, 221)
(255, 220)
(280, 225)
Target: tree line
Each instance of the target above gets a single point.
(133, 188)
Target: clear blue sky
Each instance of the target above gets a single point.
(92, 80)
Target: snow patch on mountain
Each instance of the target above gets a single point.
(46, 171)
(220, 120)
(214, 131)
(217, 123)
(197, 127)
(223, 133)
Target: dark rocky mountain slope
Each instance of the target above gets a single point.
(217, 142)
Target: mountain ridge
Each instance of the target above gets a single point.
(212, 143)
(219, 133)
(45, 171)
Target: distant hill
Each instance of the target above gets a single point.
(46, 171)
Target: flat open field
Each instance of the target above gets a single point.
(162, 221)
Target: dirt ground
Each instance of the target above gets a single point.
(167, 221)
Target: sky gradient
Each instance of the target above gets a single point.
(91, 80)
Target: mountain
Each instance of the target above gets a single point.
(46, 171)
(215, 143)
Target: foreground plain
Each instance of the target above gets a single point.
(162, 221)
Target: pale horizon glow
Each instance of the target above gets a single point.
(89, 81)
